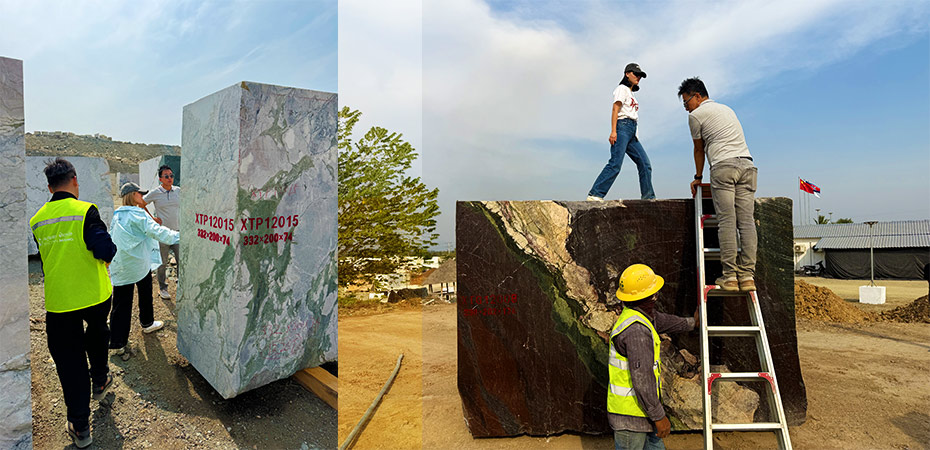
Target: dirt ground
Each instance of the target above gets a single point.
(158, 400)
(897, 292)
(867, 384)
(368, 349)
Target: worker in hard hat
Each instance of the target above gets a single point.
(633, 408)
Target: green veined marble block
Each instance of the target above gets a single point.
(258, 272)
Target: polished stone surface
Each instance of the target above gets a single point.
(93, 176)
(258, 290)
(15, 373)
(148, 170)
(123, 178)
(533, 278)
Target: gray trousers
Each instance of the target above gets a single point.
(162, 283)
(733, 187)
(633, 440)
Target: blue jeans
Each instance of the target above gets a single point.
(633, 440)
(626, 144)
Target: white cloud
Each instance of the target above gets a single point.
(380, 64)
(499, 86)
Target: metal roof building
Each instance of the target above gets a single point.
(901, 234)
(901, 248)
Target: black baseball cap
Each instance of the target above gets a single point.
(633, 67)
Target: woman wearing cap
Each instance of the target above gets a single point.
(623, 141)
(135, 234)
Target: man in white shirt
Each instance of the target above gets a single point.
(167, 199)
(717, 133)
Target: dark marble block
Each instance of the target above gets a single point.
(533, 278)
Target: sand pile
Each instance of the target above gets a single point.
(819, 303)
(917, 311)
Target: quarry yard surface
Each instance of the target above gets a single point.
(867, 378)
(158, 400)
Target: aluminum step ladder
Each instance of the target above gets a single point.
(705, 219)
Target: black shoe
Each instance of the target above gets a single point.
(100, 391)
(81, 439)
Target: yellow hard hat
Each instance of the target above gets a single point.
(638, 282)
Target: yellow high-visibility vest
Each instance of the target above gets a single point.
(621, 397)
(74, 279)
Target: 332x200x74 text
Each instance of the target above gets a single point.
(247, 224)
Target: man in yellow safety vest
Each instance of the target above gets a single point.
(75, 249)
(633, 408)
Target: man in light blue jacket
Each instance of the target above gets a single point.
(136, 236)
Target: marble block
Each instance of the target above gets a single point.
(873, 295)
(258, 234)
(148, 171)
(15, 374)
(123, 178)
(93, 176)
(533, 279)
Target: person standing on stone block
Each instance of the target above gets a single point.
(135, 235)
(718, 135)
(75, 249)
(167, 199)
(623, 141)
(633, 408)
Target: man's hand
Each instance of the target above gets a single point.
(697, 316)
(613, 138)
(663, 428)
(158, 220)
(694, 185)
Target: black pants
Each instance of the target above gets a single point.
(121, 317)
(71, 346)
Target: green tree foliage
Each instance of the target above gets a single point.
(384, 214)
(821, 220)
(844, 220)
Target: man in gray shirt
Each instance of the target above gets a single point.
(718, 135)
(167, 199)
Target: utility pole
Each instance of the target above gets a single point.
(871, 252)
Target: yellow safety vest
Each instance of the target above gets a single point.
(74, 279)
(621, 398)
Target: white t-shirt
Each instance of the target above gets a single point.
(721, 131)
(629, 108)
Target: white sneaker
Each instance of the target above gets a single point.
(164, 294)
(592, 198)
(155, 326)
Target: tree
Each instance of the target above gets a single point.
(844, 220)
(821, 220)
(384, 214)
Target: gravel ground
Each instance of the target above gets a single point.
(158, 400)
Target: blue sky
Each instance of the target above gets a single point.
(516, 98)
(126, 69)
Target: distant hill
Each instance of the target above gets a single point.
(122, 156)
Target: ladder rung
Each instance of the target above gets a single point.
(713, 254)
(761, 426)
(740, 376)
(710, 221)
(722, 293)
(734, 331)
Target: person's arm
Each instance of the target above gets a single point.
(150, 198)
(636, 342)
(615, 110)
(160, 233)
(96, 237)
(698, 163)
(669, 323)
